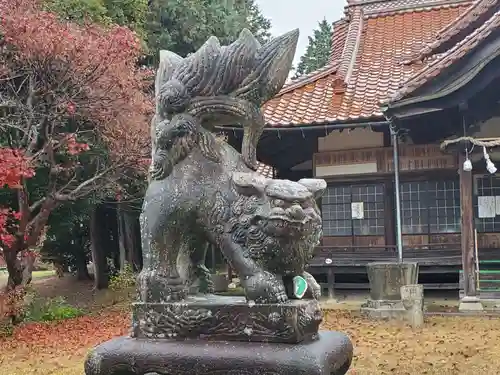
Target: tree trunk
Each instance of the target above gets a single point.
(127, 234)
(109, 223)
(137, 256)
(59, 269)
(28, 266)
(98, 249)
(122, 235)
(14, 268)
(82, 272)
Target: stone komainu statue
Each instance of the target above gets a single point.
(203, 191)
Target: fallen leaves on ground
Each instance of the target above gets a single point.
(60, 347)
(444, 346)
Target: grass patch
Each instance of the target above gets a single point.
(52, 309)
(37, 275)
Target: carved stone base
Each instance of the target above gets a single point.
(227, 318)
(331, 354)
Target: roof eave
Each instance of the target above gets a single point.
(455, 32)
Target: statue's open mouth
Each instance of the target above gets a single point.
(285, 220)
(286, 226)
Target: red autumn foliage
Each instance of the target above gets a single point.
(92, 72)
(85, 331)
(16, 166)
(65, 89)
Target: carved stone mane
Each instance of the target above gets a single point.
(222, 85)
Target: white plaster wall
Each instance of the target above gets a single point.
(350, 140)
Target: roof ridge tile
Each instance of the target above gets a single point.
(351, 44)
(447, 58)
(375, 7)
(477, 9)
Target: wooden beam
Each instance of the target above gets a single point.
(467, 240)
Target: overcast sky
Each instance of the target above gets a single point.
(286, 15)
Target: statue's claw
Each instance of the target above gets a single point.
(313, 288)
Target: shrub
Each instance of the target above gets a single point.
(51, 310)
(123, 280)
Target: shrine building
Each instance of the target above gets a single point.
(403, 77)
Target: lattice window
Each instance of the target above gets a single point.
(486, 186)
(337, 210)
(430, 207)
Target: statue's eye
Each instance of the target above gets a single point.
(307, 204)
(278, 203)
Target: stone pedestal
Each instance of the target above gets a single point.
(330, 354)
(210, 334)
(470, 304)
(386, 280)
(227, 318)
(413, 301)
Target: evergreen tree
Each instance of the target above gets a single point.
(131, 13)
(182, 26)
(318, 51)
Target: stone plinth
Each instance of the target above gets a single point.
(412, 297)
(470, 304)
(211, 317)
(386, 280)
(330, 354)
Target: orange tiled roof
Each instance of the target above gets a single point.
(378, 37)
(459, 50)
(339, 33)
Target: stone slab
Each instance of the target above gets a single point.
(330, 354)
(384, 313)
(383, 309)
(228, 318)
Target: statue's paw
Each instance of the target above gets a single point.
(155, 287)
(265, 288)
(313, 288)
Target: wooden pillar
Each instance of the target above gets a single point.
(467, 239)
(331, 283)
